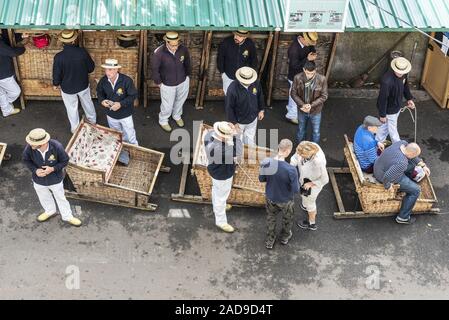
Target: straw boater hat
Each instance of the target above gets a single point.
(246, 75)
(172, 37)
(68, 36)
(311, 37)
(242, 33)
(111, 64)
(307, 149)
(401, 65)
(37, 137)
(126, 37)
(223, 129)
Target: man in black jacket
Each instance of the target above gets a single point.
(300, 51)
(9, 89)
(245, 104)
(393, 89)
(116, 93)
(235, 52)
(71, 68)
(171, 68)
(46, 159)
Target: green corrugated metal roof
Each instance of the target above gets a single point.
(142, 14)
(428, 15)
(210, 14)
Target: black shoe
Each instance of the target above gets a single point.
(269, 244)
(306, 225)
(286, 240)
(410, 220)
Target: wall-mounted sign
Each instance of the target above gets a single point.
(316, 15)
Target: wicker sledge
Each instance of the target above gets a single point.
(97, 176)
(2, 151)
(374, 199)
(246, 188)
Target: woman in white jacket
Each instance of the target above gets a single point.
(311, 163)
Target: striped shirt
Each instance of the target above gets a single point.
(365, 147)
(392, 164)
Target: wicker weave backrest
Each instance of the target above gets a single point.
(354, 160)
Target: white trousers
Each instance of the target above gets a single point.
(71, 105)
(9, 92)
(248, 135)
(172, 101)
(292, 108)
(125, 126)
(309, 202)
(47, 196)
(389, 128)
(226, 82)
(220, 193)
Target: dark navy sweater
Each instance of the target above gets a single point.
(232, 56)
(55, 157)
(124, 92)
(6, 62)
(220, 156)
(281, 178)
(392, 92)
(243, 105)
(71, 68)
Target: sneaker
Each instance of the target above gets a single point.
(294, 121)
(166, 127)
(286, 240)
(45, 216)
(306, 225)
(226, 228)
(74, 222)
(7, 157)
(228, 207)
(14, 111)
(269, 243)
(180, 123)
(410, 220)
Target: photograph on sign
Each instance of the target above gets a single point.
(316, 15)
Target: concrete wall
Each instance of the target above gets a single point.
(357, 51)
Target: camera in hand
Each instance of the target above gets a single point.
(303, 191)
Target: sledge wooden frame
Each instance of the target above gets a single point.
(343, 214)
(2, 151)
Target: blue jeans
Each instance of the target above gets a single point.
(303, 119)
(412, 191)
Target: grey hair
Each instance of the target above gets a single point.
(285, 145)
(413, 148)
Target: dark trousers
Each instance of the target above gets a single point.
(273, 209)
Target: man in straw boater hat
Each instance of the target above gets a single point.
(245, 104)
(171, 67)
(393, 89)
(234, 52)
(281, 187)
(116, 93)
(71, 68)
(223, 148)
(300, 51)
(46, 158)
(9, 89)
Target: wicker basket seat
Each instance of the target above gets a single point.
(372, 194)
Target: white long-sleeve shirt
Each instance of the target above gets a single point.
(314, 169)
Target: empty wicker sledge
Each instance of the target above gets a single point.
(97, 175)
(2, 151)
(246, 188)
(374, 199)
